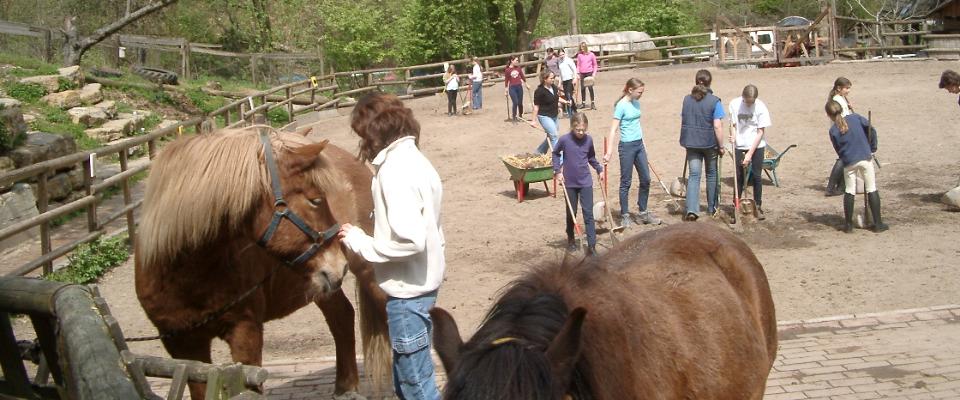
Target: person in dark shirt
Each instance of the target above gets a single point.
(546, 106)
(855, 148)
(577, 153)
(950, 81)
(701, 132)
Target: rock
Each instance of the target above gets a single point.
(108, 106)
(59, 186)
(136, 119)
(6, 165)
(91, 94)
(9, 103)
(115, 129)
(166, 123)
(50, 83)
(29, 119)
(13, 126)
(73, 74)
(42, 146)
(66, 99)
(18, 205)
(88, 116)
(952, 198)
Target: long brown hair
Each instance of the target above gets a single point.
(835, 112)
(699, 92)
(631, 84)
(380, 119)
(841, 82)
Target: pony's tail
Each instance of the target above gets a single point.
(374, 333)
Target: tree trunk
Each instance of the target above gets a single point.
(264, 32)
(74, 46)
(499, 30)
(526, 22)
(574, 29)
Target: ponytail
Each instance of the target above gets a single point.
(841, 82)
(835, 112)
(631, 84)
(698, 92)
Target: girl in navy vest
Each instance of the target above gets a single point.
(855, 149)
(701, 132)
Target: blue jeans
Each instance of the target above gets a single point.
(696, 158)
(476, 101)
(550, 125)
(516, 96)
(410, 333)
(584, 196)
(633, 154)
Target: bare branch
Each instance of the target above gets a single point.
(102, 33)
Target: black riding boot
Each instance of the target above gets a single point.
(835, 184)
(848, 212)
(874, 199)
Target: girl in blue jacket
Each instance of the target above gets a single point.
(855, 142)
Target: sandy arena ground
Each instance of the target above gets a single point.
(814, 269)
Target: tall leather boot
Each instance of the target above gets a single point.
(848, 212)
(874, 199)
(835, 184)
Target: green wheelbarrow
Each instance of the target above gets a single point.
(523, 177)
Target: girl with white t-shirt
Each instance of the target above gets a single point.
(452, 86)
(750, 118)
(839, 93)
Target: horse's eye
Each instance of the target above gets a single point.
(317, 202)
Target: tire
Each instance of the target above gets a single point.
(105, 72)
(156, 75)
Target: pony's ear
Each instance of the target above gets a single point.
(564, 350)
(446, 338)
(304, 156)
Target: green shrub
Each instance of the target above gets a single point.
(204, 102)
(90, 261)
(64, 84)
(151, 122)
(278, 117)
(26, 92)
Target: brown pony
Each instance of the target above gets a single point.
(680, 313)
(214, 232)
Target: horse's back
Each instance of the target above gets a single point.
(699, 309)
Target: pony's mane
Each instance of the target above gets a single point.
(531, 311)
(207, 185)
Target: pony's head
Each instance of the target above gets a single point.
(252, 185)
(527, 348)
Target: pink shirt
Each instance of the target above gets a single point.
(586, 63)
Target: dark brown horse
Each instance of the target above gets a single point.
(680, 313)
(220, 225)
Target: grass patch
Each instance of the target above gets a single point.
(28, 66)
(205, 102)
(25, 92)
(90, 261)
(278, 117)
(55, 120)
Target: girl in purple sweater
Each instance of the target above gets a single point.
(576, 151)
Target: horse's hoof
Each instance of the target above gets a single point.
(349, 396)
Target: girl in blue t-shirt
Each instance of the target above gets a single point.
(627, 133)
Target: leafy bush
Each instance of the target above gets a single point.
(26, 92)
(151, 122)
(90, 261)
(204, 102)
(64, 84)
(278, 117)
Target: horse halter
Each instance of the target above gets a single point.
(282, 211)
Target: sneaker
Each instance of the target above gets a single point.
(593, 106)
(591, 251)
(571, 245)
(690, 217)
(647, 218)
(625, 220)
(759, 214)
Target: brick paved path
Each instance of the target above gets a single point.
(904, 354)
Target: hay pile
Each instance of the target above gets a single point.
(529, 160)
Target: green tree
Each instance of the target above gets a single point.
(657, 18)
(434, 30)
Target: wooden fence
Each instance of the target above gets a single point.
(80, 345)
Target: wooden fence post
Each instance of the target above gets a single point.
(127, 199)
(47, 46)
(289, 106)
(253, 70)
(43, 200)
(88, 172)
(185, 59)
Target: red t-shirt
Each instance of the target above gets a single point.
(513, 76)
